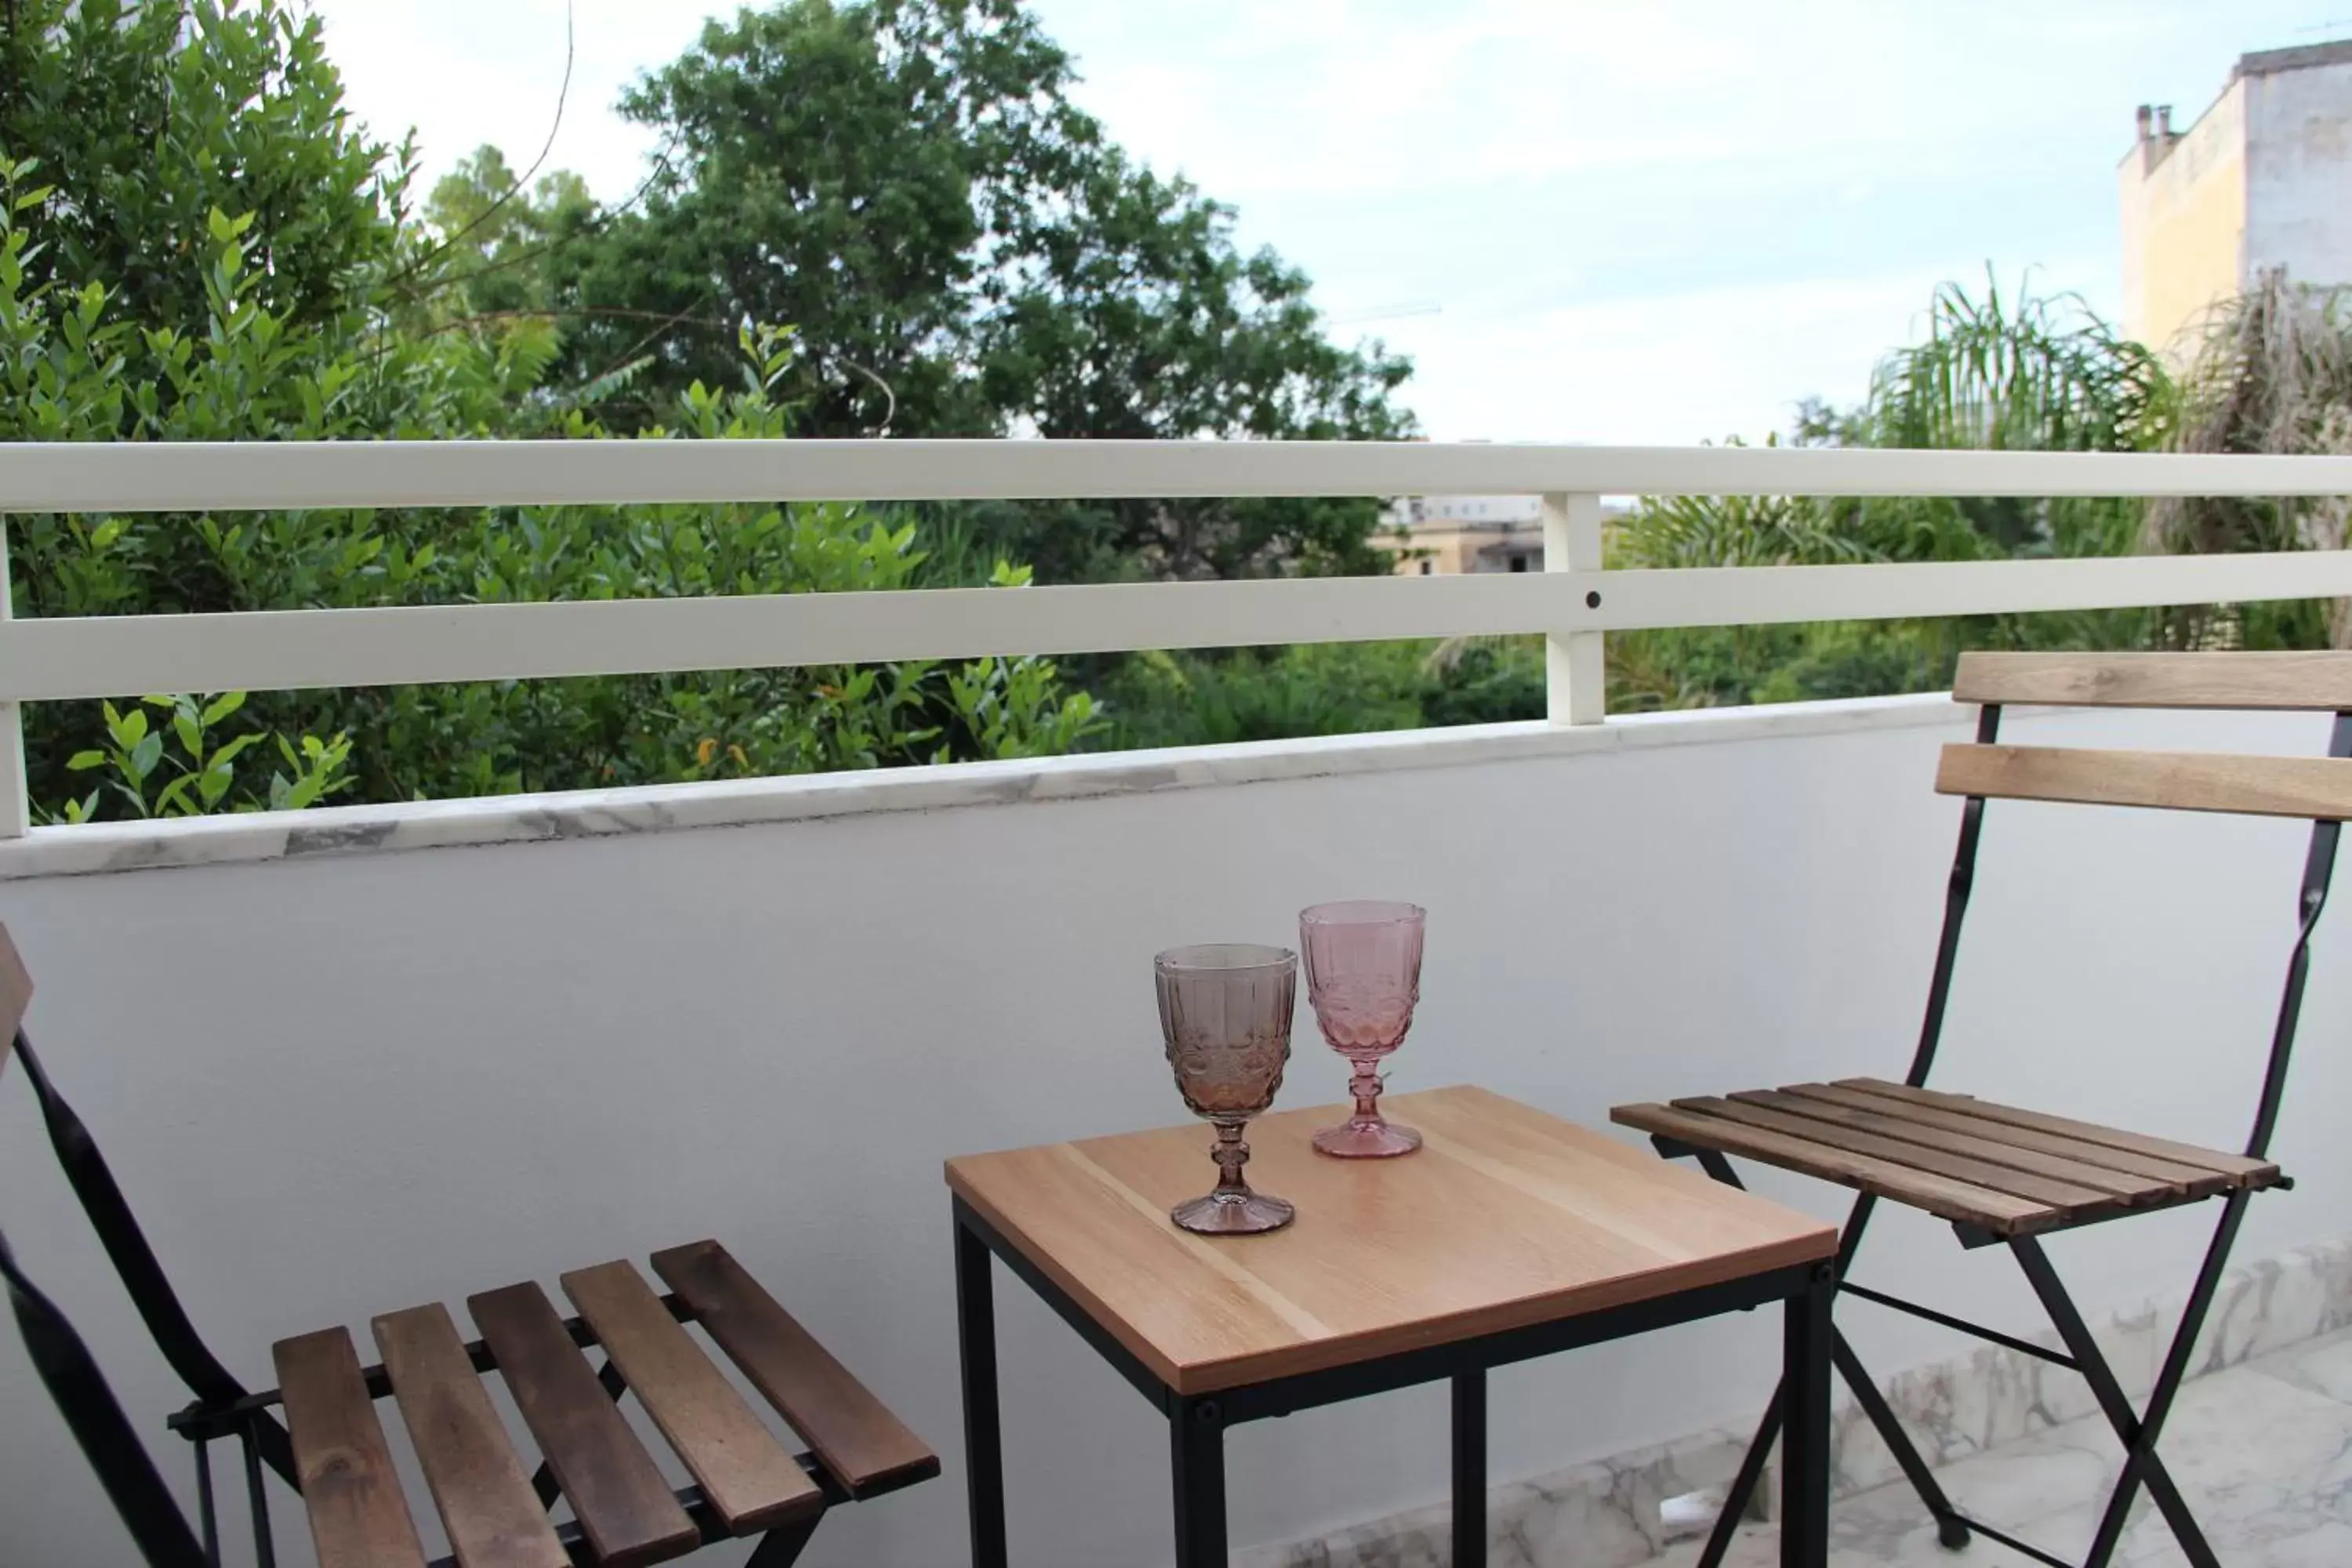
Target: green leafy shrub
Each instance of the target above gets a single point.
(141, 771)
(1320, 688)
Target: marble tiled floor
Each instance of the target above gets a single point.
(2262, 1452)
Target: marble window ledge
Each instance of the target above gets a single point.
(119, 846)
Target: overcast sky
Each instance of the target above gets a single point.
(1620, 222)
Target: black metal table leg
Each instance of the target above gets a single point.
(1470, 1468)
(1805, 1426)
(984, 1438)
(1196, 1451)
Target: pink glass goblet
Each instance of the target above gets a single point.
(1224, 1011)
(1363, 976)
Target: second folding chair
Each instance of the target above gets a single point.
(2006, 1176)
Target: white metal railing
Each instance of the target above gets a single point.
(1572, 602)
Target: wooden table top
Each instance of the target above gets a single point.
(1506, 1216)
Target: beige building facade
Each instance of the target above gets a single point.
(1439, 536)
(2262, 180)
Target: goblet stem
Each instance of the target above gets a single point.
(1365, 1084)
(1231, 1154)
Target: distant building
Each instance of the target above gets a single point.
(1442, 535)
(2262, 180)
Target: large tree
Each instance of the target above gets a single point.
(961, 251)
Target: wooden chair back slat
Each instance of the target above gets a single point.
(2312, 788)
(2313, 681)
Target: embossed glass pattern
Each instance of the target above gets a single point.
(1363, 978)
(1225, 1013)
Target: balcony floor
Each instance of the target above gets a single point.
(2262, 1452)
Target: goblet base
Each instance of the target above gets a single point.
(1233, 1213)
(1361, 1138)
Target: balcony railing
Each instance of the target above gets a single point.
(1573, 603)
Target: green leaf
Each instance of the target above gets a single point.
(173, 801)
(225, 228)
(82, 761)
(230, 750)
(221, 707)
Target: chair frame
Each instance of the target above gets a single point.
(2138, 1430)
(224, 1408)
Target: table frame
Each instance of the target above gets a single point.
(1197, 1423)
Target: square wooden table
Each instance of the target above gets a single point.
(1510, 1233)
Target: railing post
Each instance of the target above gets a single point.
(15, 807)
(1574, 674)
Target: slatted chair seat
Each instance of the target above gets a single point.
(2007, 1171)
(746, 1481)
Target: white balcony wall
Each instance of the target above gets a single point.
(336, 1085)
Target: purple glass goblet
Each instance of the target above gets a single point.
(1363, 976)
(1225, 1011)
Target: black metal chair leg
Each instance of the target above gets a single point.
(2139, 1457)
(1743, 1485)
(2167, 1381)
(256, 1500)
(207, 1511)
(1951, 1528)
(781, 1547)
(104, 1434)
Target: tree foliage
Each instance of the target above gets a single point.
(964, 253)
(143, 118)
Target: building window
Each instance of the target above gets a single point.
(1427, 567)
(1518, 563)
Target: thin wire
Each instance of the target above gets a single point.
(562, 96)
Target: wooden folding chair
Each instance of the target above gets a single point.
(2004, 1175)
(331, 1446)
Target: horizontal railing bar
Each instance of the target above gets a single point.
(46, 660)
(232, 476)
